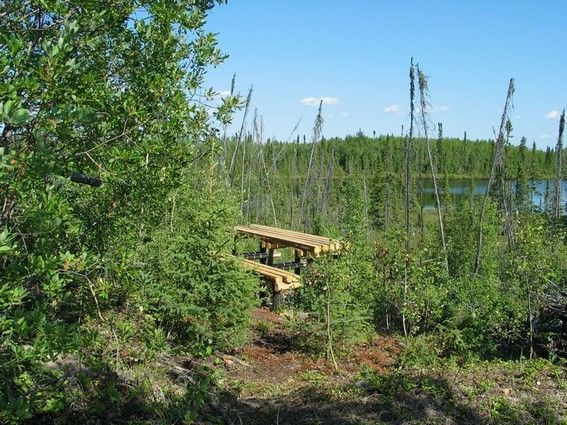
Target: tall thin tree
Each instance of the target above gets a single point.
(556, 205)
(240, 135)
(423, 89)
(499, 145)
(317, 127)
(407, 193)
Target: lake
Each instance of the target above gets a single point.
(542, 190)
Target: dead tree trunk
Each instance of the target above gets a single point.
(407, 190)
(240, 134)
(499, 144)
(423, 104)
(556, 208)
(307, 189)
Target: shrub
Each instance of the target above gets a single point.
(188, 279)
(338, 316)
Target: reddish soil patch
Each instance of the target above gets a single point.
(378, 354)
(271, 357)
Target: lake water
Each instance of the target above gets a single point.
(542, 191)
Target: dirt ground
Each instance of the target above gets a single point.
(270, 359)
(270, 381)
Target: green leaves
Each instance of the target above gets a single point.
(101, 91)
(11, 112)
(7, 245)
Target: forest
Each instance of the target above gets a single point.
(121, 300)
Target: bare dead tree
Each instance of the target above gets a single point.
(317, 127)
(267, 178)
(256, 141)
(240, 134)
(556, 205)
(497, 159)
(423, 89)
(504, 190)
(407, 191)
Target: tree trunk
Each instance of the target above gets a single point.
(498, 151)
(556, 207)
(422, 94)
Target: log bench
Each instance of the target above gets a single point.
(281, 280)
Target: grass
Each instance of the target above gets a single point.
(480, 393)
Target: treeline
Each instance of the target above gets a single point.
(271, 176)
(456, 158)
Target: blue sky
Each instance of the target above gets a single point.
(356, 55)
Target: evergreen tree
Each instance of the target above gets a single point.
(379, 200)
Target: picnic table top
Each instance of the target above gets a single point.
(273, 238)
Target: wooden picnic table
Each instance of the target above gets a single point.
(275, 238)
(305, 245)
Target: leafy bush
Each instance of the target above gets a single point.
(190, 282)
(337, 316)
(97, 95)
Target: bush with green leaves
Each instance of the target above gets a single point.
(480, 317)
(535, 273)
(188, 281)
(337, 315)
(98, 121)
(462, 228)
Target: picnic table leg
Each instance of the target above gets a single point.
(278, 299)
(309, 261)
(263, 250)
(270, 257)
(297, 260)
(234, 245)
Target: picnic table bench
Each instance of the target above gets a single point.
(282, 280)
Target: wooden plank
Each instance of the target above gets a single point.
(280, 241)
(282, 287)
(301, 235)
(277, 238)
(304, 236)
(296, 238)
(272, 273)
(333, 244)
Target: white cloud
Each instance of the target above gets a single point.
(345, 114)
(330, 100)
(440, 109)
(392, 109)
(314, 101)
(552, 114)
